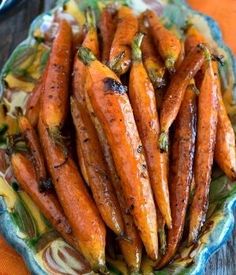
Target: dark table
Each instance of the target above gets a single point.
(13, 30)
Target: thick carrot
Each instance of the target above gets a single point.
(206, 137)
(120, 54)
(131, 250)
(107, 27)
(111, 105)
(181, 170)
(88, 228)
(32, 142)
(55, 95)
(225, 138)
(33, 102)
(143, 101)
(225, 155)
(91, 42)
(167, 43)
(152, 61)
(47, 202)
(175, 92)
(97, 171)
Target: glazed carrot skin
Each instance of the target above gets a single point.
(55, 96)
(112, 108)
(47, 202)
(33, 144)
(143, 101)
(167, 43)
(79, 70)
(175, 92)
(96, 168)
(225, 138)
(88, 228)
(107, 27)
(152, 61)
(206, 137)
(33, 102)
(131, 250)
(120, 54)
(181, 171)
(225, 155)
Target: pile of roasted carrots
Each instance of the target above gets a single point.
(148, 119)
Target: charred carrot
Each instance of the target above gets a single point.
(181, 171)
(175, 92)
(97, 171)
(33, 102)
(91, 42)
(206, 137)
(143, 101)
(55, 95)
(47, 202)
(152, 61)
(107, 27)
(87, 226)
(167, 43)
(32, 142)
(120, 54)
(112, 108)
(131, 246)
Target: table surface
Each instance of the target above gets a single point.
(14, 29)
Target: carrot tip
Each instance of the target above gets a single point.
(115, 64)
(170, 64)
(86, 55)
(136, 44)
(194, 89)
(157, 81)
(164, 142)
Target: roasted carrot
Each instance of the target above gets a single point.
(152, 61)
(112, 108)
(97, 171)
(33, 102)
(91, 42)
(55, 95)
(167, 43)
(177, 87)
(107, 27)
(33, 144)
(120, 54)
(225, 138)
(82, 165)
(181, 170)
(225, 155)
(206, 137)
(131, 246)
(47, 202)
(143, 101)
(88, 228)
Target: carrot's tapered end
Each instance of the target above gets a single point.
(164, 142)
(86, 55)
(170, 64)
(136, 44)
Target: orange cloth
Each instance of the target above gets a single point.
(224, 12)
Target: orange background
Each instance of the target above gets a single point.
(224, 12)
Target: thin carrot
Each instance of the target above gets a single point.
(47, 202)
(88, 228)
(33, 144)
(107, 27)
(111, 105)
(120, 54)
(167, 43)
(143, 101)
(181, 170)
(175, 92)
(97, 171)
(206, 137)
(152, 61)
(55, 96)
(131, 246)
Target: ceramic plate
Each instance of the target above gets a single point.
(21, 222)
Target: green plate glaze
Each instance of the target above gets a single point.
(21, 222)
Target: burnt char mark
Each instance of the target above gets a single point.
(111, 85)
